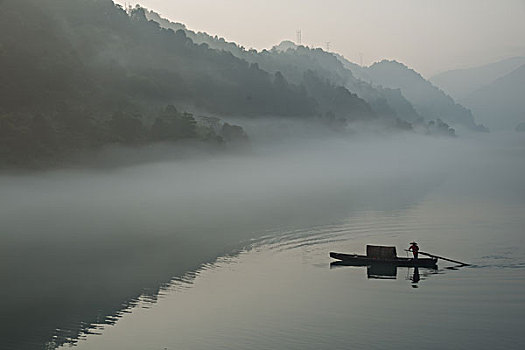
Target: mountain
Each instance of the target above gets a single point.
(460, 83)
(500, 104)
(493, 92)
(83, 74)
(294, 60)
(428, 100)
(389, 99)
(297, 61)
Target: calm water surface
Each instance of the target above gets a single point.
(283, 294)
(236, 257)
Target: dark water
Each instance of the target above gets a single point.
(121, 252)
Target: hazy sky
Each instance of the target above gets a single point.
(428, 35)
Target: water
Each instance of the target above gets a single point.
(284, 294)
(233, 254)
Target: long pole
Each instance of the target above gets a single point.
(440, 257)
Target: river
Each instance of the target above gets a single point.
(231, 252)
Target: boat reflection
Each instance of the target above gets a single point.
(389, 271)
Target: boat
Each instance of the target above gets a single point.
(382, 255)
(363, 260)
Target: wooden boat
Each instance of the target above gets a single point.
(363, 260)
(382, 255)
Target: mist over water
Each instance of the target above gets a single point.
(165, 188)
(79, 246)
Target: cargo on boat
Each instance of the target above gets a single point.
(382, 255)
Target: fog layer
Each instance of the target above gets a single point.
(78, 246)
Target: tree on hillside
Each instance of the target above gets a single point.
(171, 125)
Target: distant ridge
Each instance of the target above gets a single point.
(501, 104)
(392, 100)
(84, 74)
(428, 100)
(459, 83)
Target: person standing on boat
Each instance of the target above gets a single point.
(414, 249)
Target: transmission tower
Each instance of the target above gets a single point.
(327, 46)
(299, 39)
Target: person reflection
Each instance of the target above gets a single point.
(415, 277)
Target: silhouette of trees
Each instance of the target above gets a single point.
(80, 74)
(127, 128)
(172, 125)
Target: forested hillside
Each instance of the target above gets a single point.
(298, 63)
(428, 100)
(391, 100)
(80, 74)
(84, 74)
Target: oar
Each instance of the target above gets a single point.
(443, 258)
